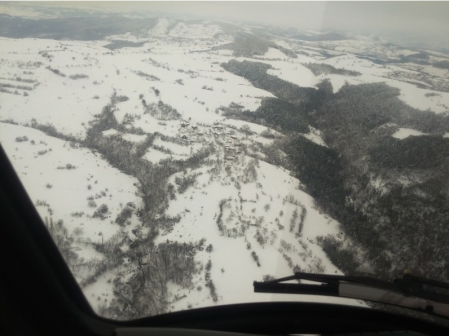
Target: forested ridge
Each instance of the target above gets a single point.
(276, 113)
(250, 45)
(256, 73)
(390, 195)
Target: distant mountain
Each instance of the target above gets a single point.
(320, 37)
(72, 28)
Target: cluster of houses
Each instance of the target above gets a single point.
(231, 147)
(227, 138)
(192, 133)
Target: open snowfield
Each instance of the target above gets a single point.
(128, 71)
(66, 191)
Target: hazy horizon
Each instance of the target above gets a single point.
(411, 21)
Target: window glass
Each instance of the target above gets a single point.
(177, 152)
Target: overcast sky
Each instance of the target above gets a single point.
(424, 20)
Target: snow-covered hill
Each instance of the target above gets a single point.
(247, 217)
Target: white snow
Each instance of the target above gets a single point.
(274, 53)
(315, 136)
(174, 147)
(69, 187)
(133, 137)
(239, 123)
(403, 133)
(294, 73)
(232, 279)
(154, 156)
(109, 132)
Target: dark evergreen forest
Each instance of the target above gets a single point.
(390, 195)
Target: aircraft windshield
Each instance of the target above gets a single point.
(177, 152)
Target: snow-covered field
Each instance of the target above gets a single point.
(70, 184)
(264, 203)
(255, 215)
(403, 133)
(41, 163)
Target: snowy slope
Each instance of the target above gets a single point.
(233, 268)
(69, 189)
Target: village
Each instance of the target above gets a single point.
(218, 133)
